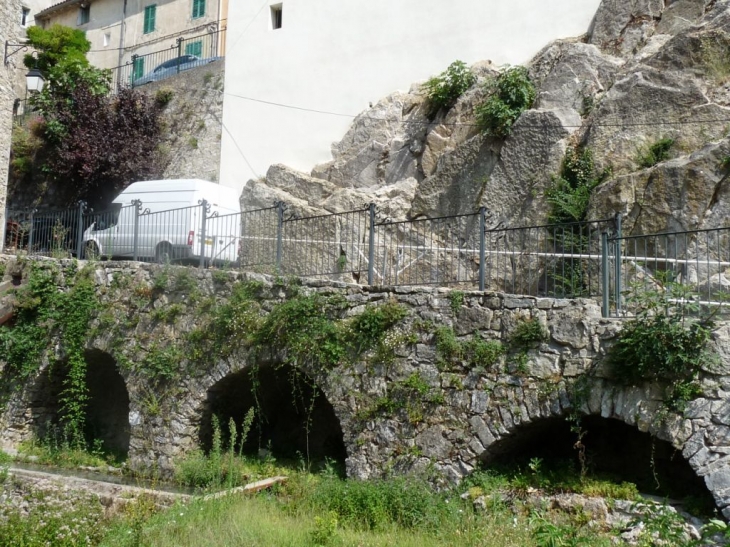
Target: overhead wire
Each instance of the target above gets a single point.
(471, 124)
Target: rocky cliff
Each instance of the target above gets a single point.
(646, 70)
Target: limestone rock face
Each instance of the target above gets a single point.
(647, 70)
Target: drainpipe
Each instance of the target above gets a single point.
(122, 32)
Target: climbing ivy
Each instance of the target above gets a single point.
(44, 315)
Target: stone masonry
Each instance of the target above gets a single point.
(9, 30)
(473, 410)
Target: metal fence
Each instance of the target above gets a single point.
(586, 259)
(696, 261)
(184, 54)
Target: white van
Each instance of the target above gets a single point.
(169, 226)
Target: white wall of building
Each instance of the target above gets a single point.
(339, 55)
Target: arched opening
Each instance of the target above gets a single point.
(106, 419)
(613, 451)
(107, 411)
(293, 419)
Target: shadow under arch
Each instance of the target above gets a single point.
(107, 408)
(284, 402)
(613, 450)
(107, 411)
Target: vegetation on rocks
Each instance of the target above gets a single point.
(510, 94)
(443, 90)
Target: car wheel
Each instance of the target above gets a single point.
(163, 253)
(91, 251)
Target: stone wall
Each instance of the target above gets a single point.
(9, 30)
(193, 119)
(457, 417)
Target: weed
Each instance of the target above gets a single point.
(163, 96)
(193, 142)
(509, 95)
(654, 153)
(456, 300)
(445, 89)
(527, 333)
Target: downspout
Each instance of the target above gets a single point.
(122, 33)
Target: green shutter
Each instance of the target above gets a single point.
(138, 68)
(198, 8)
(150, 13)
(194, 48)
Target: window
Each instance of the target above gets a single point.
(84, 14)
(276, 16)
(198, 8)
(150, 12)
(107, 38)
(24, 16)
(137, 68)
(195, 48)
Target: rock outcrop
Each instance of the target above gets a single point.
(646, 70)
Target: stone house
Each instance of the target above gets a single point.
(10, 30)
(121, 29)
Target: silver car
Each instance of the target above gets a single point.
(172, 67)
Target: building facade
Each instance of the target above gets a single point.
(10, 30)
(314, 64)
(121, 29)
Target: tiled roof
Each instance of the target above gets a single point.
(57, 7)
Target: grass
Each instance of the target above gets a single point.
(65, 456)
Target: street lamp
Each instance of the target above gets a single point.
(34, 81)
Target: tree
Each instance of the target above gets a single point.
(93, 144)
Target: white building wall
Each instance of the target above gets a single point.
(337, 56)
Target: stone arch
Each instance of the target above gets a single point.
(107, 411)
(616, 415)
(282, 411)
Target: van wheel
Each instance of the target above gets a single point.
(91, 251)
(163, 253)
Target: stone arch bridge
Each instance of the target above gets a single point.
(405, 411)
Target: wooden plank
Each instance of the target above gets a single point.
(250, 488)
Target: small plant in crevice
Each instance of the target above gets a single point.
(665, 343)
(414, 396)
(456, 300)
(527, 333)
(655, 153)
(509, 94)
(474, 352)
(444, 90)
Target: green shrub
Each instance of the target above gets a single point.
(662, 344)
(163, 96)
(444, 90)
(570, 191)
(655, 153)
(509, 95)
(528, 333)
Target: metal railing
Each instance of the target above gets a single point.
(697, 260)
(161, 64)
(585, 259)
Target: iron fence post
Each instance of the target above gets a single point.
(371, 246)
(131, 76)
(80, 231)
(3, 228)
(30, 232)
(203, 218)
(279, 233)
(179, 52)
(135, 239)
(604, 274)
(482, 247)
(617, 265)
